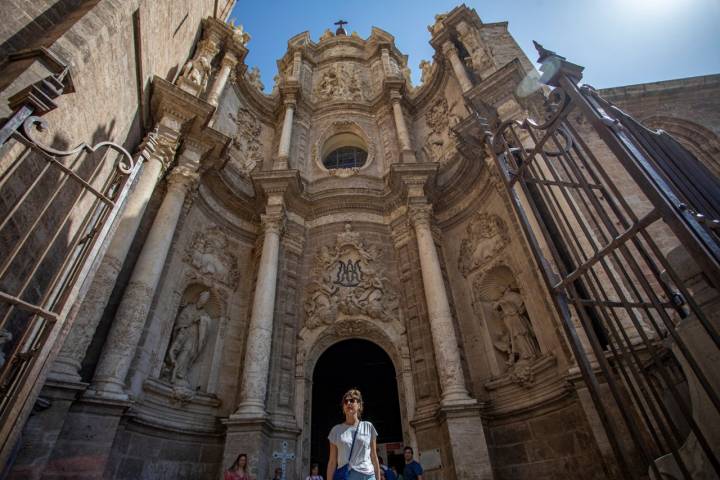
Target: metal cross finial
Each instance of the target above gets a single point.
(340, 30)
(283, 456)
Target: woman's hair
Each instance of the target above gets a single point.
(237, 462)
(313, 467)
(354, 393)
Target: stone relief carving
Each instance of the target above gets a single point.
(189, 336)
(340, 81)
(211, 261)
(253, 78)
(486, 237)
(245, 147)
(438, 25)
(196, 72)
(517, 340)
(346, 282)
(441, 142)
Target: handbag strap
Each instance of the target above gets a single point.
(353, 442)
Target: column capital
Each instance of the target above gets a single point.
(448, 48)
(420, 215)
(273, 221)
(182, 177)
(230, 59)
(395, 96)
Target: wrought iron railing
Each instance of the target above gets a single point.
(602, 193)
(57, 210)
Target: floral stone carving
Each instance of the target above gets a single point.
(486, 237)
(209, 257)
(346, 282)
(245, 148)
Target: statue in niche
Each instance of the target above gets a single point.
(518, 340)
(346, 283)
(189, 337)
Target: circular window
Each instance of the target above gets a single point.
(344, 150)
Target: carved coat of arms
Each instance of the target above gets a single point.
(346, 283)
(487, 235)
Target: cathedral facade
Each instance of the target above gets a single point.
(348, 229)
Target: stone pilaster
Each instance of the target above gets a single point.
(253, 389)
(290, 97)
(458, 68)
(229, 61)
(157, 151)
(124, 336)
(447, 355)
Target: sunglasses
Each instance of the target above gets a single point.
(347, 401)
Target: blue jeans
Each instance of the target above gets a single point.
(355, 475)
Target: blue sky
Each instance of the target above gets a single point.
(619, 42)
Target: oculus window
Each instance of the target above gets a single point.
(344, 150)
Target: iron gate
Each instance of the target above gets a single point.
(57, 209)
(605, 257)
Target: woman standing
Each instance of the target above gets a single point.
(239, 470)
(353, 444)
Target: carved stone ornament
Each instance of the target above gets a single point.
(441, 142)
(253, 78)
(486, 237)
(240, 36)
(517, 339)
(479, 60)
(211, 260)
(245, 148)
(340, 81)
(345, 283)
(427, 71)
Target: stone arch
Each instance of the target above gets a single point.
(312, 343)
(700, 141)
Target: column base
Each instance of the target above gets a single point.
(467, 442)
(84, 445)
(281, 163)
(106, 391)
(249, 411)
(40, 433)
(408, 156)
(457, 398)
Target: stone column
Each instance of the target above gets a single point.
(124, 336)
(457, 65)
(253, 387)
(400, 126)
(158, 151)
(286, 135)
(447, 355)
(226, 65)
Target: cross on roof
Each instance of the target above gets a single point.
(340, 30)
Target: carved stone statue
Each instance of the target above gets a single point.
(188, 339)
(240, 36)
(518, 341)
(426, 68)
(253, 77)
(194, 76)
(245, 148)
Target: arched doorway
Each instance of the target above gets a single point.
(344, 365)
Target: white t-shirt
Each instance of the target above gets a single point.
(341, 436)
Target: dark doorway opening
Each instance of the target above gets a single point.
(350, 364)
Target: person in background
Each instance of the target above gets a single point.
(314, 473)
(278, 474)
(412, 470)
(239, 470)
(385, 470)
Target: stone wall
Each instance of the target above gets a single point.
(549, 445)
(686, 108)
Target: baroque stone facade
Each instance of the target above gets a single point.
(244, 255)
